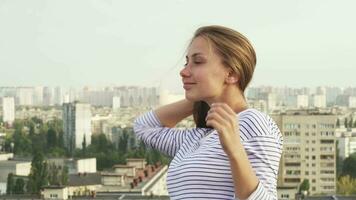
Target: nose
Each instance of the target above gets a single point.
(185, 72)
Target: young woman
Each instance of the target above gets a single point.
(234, 151)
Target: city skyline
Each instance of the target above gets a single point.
(298, 43)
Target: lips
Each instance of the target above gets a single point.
(188, 85)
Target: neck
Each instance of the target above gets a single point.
(233, 97)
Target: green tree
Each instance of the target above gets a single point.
(60, 139)
(53, 174)
(349, 166)
(10, 184)
(22, 143)
(39, 173)
(39, 143)
(338, 123)
(123, 142)
(51, 138)
(345, 122)
(32, 129)
(346, 185)
(350, 123)
(84, 146)
(304, 186)
(19, 186)
(37, 120)
(64, 175)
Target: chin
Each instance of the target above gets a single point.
(193, 98)
(190, 97)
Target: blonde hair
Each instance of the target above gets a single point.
(234, 49)
(236, 53)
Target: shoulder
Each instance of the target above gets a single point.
(254, 123)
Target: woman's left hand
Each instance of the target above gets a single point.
(223, 119)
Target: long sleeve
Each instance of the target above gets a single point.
(263, 145)
(149, 129)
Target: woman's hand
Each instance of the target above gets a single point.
(223, 119)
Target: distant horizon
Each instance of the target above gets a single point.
(79, 43)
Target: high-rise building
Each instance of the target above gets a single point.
(8, 110)
(76, 125)
(319, 101)
(47, 96)
(38, 95)
(25, 96)
(309, 150)
(58, 96)
(116, 104)
(346, 144)
(302, 101)
(352, 102)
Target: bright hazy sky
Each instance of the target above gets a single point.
(114, 42)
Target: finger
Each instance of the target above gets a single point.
(213, 123)
(224, 114)
(217, 117)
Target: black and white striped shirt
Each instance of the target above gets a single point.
(200, 169)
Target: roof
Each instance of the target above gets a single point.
(54, 187)
(84, 179)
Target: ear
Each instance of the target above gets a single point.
(232, 78)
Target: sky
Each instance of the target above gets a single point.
(114, 42)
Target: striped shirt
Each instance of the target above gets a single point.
(200, 169)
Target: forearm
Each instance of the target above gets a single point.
(245, 179)
(170, 114)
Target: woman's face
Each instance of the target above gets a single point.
(203, 75)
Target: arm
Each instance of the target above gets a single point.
(169, 115)
(151, 128)
(253, 150)
(255, 161)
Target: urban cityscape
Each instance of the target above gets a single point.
(64, 143)
(76, 75)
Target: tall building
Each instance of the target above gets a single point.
(25, 96)
(352, 102)
(116, 104)
(347, 144)
(309, 150)
(47, 96)
(58, 96)
(302, 101)
(76, 125)
(38, 95)
(319, 101)
(8, 110)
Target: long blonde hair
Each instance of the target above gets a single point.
(236, 53)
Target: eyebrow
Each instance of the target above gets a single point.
(195, 54)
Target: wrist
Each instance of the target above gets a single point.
(233, 153)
